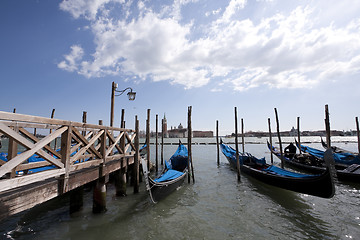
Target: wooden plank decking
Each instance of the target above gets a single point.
(87, 152)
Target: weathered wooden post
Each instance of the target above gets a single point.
(65, 159)
(113, 87)
(270, 138)
(358, 133)
(50, 131)
(76, 199)
(217, 143)
(242, 136)
(148, 139)
(12, 149)
(298, 133)
(237, 146)
(156, 144)
(279, 137)
(327, 127)
(122, 121)
(99, 192)
(136, 157)
(189, 146)
(162, 142)
(77, 195)
(120, 175)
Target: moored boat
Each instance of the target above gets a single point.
(171, 177)
(315, 163)
(320, 185)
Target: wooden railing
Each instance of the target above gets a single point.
(81, 146)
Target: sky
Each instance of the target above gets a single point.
(295, 56)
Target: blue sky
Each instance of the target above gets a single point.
(295, 56)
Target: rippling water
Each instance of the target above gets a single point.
(215, 207)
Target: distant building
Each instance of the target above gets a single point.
(166, 134)
(202, 134)
(179, 132)
(293, 132)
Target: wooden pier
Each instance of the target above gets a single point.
(87, 152)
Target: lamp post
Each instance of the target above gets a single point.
(131, 96)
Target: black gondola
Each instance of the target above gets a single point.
(315, 164)
(337, 149)
(171, 177)
(321, 185)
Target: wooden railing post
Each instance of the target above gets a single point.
(99, 192)
(65, 159)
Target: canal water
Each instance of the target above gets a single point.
(217, 206)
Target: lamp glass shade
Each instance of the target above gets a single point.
(131, 95)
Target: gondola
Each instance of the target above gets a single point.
(339, 158)
(171, 177)
(320, 185)
(337, 149)
(310, 163)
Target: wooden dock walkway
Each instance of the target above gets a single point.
(87, 152)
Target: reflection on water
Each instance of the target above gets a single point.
(217, 206)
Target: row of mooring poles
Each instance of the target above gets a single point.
(238, 165)
(189, 137)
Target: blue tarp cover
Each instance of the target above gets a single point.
(169, 175)
(231, 153)
(344, 158)
(279, 171)
(179, 159)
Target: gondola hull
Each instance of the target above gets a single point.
(321, 185)
(344, 173)
(159, 190)
(171, 177)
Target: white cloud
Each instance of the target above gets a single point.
(71, 60)
(286, 50)
(85, 8)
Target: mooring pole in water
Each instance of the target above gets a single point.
(242, 136)
(270, 138)
(358, 133)
(217, 143)
(327, 127)
(76, 199)
(120, 180)
(148, 139)
(136, 157)
(189, 146)
(298, 133)
(99, 191)
(237, 145)
(99, 197)
(162, 142)
(279, 137)
(156, 144)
